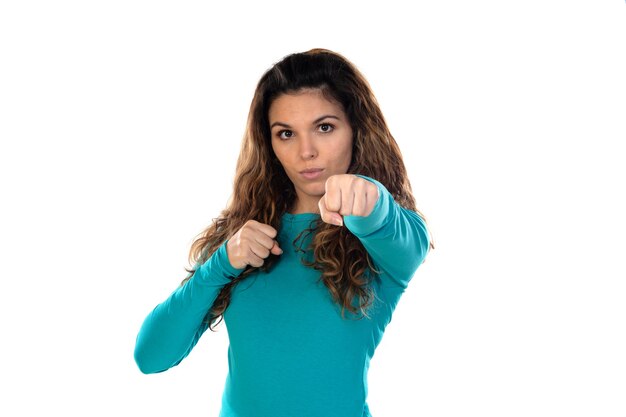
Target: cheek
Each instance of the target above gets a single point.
(278, 155)
(283, 160)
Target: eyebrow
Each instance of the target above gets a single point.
(319, 119)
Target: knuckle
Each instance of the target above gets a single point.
(249, 224)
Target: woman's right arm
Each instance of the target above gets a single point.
(174, 327)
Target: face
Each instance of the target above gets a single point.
(312, 139)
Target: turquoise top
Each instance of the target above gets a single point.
(291, 353)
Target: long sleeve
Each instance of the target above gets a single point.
(396, 238)
(173, 328)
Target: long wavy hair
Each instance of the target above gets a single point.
(263, 192)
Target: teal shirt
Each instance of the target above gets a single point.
(290, 351)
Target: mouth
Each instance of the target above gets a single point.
(312, 173)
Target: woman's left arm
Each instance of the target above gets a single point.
(396, 238)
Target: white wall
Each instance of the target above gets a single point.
(120, 123)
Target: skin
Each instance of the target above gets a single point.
(308, 131)
(301, 140)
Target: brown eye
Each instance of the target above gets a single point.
(326, 127)
(287, 134)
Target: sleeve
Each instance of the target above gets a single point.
(173, 328)
(396, 238)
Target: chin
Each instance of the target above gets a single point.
(318, 189)
(314, 190)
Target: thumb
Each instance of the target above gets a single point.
(276, 250)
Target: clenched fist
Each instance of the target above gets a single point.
(346, 195)
(252, 244)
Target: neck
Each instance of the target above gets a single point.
(299, 208)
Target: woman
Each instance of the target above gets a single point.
(310, 257)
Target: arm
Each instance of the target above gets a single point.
(396, 238)
(173, 328)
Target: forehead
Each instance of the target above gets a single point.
(302, 105)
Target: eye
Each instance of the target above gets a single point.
(327, 127)
(284, 134)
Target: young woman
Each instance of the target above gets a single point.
(309, 259)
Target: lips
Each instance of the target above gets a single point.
(311, 170)
(312, 173)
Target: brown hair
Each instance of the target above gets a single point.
(263, 192)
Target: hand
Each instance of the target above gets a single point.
(252, 244)
(347, 195)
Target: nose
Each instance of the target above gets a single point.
(308, 150)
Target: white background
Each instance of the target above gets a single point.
(120, 124)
